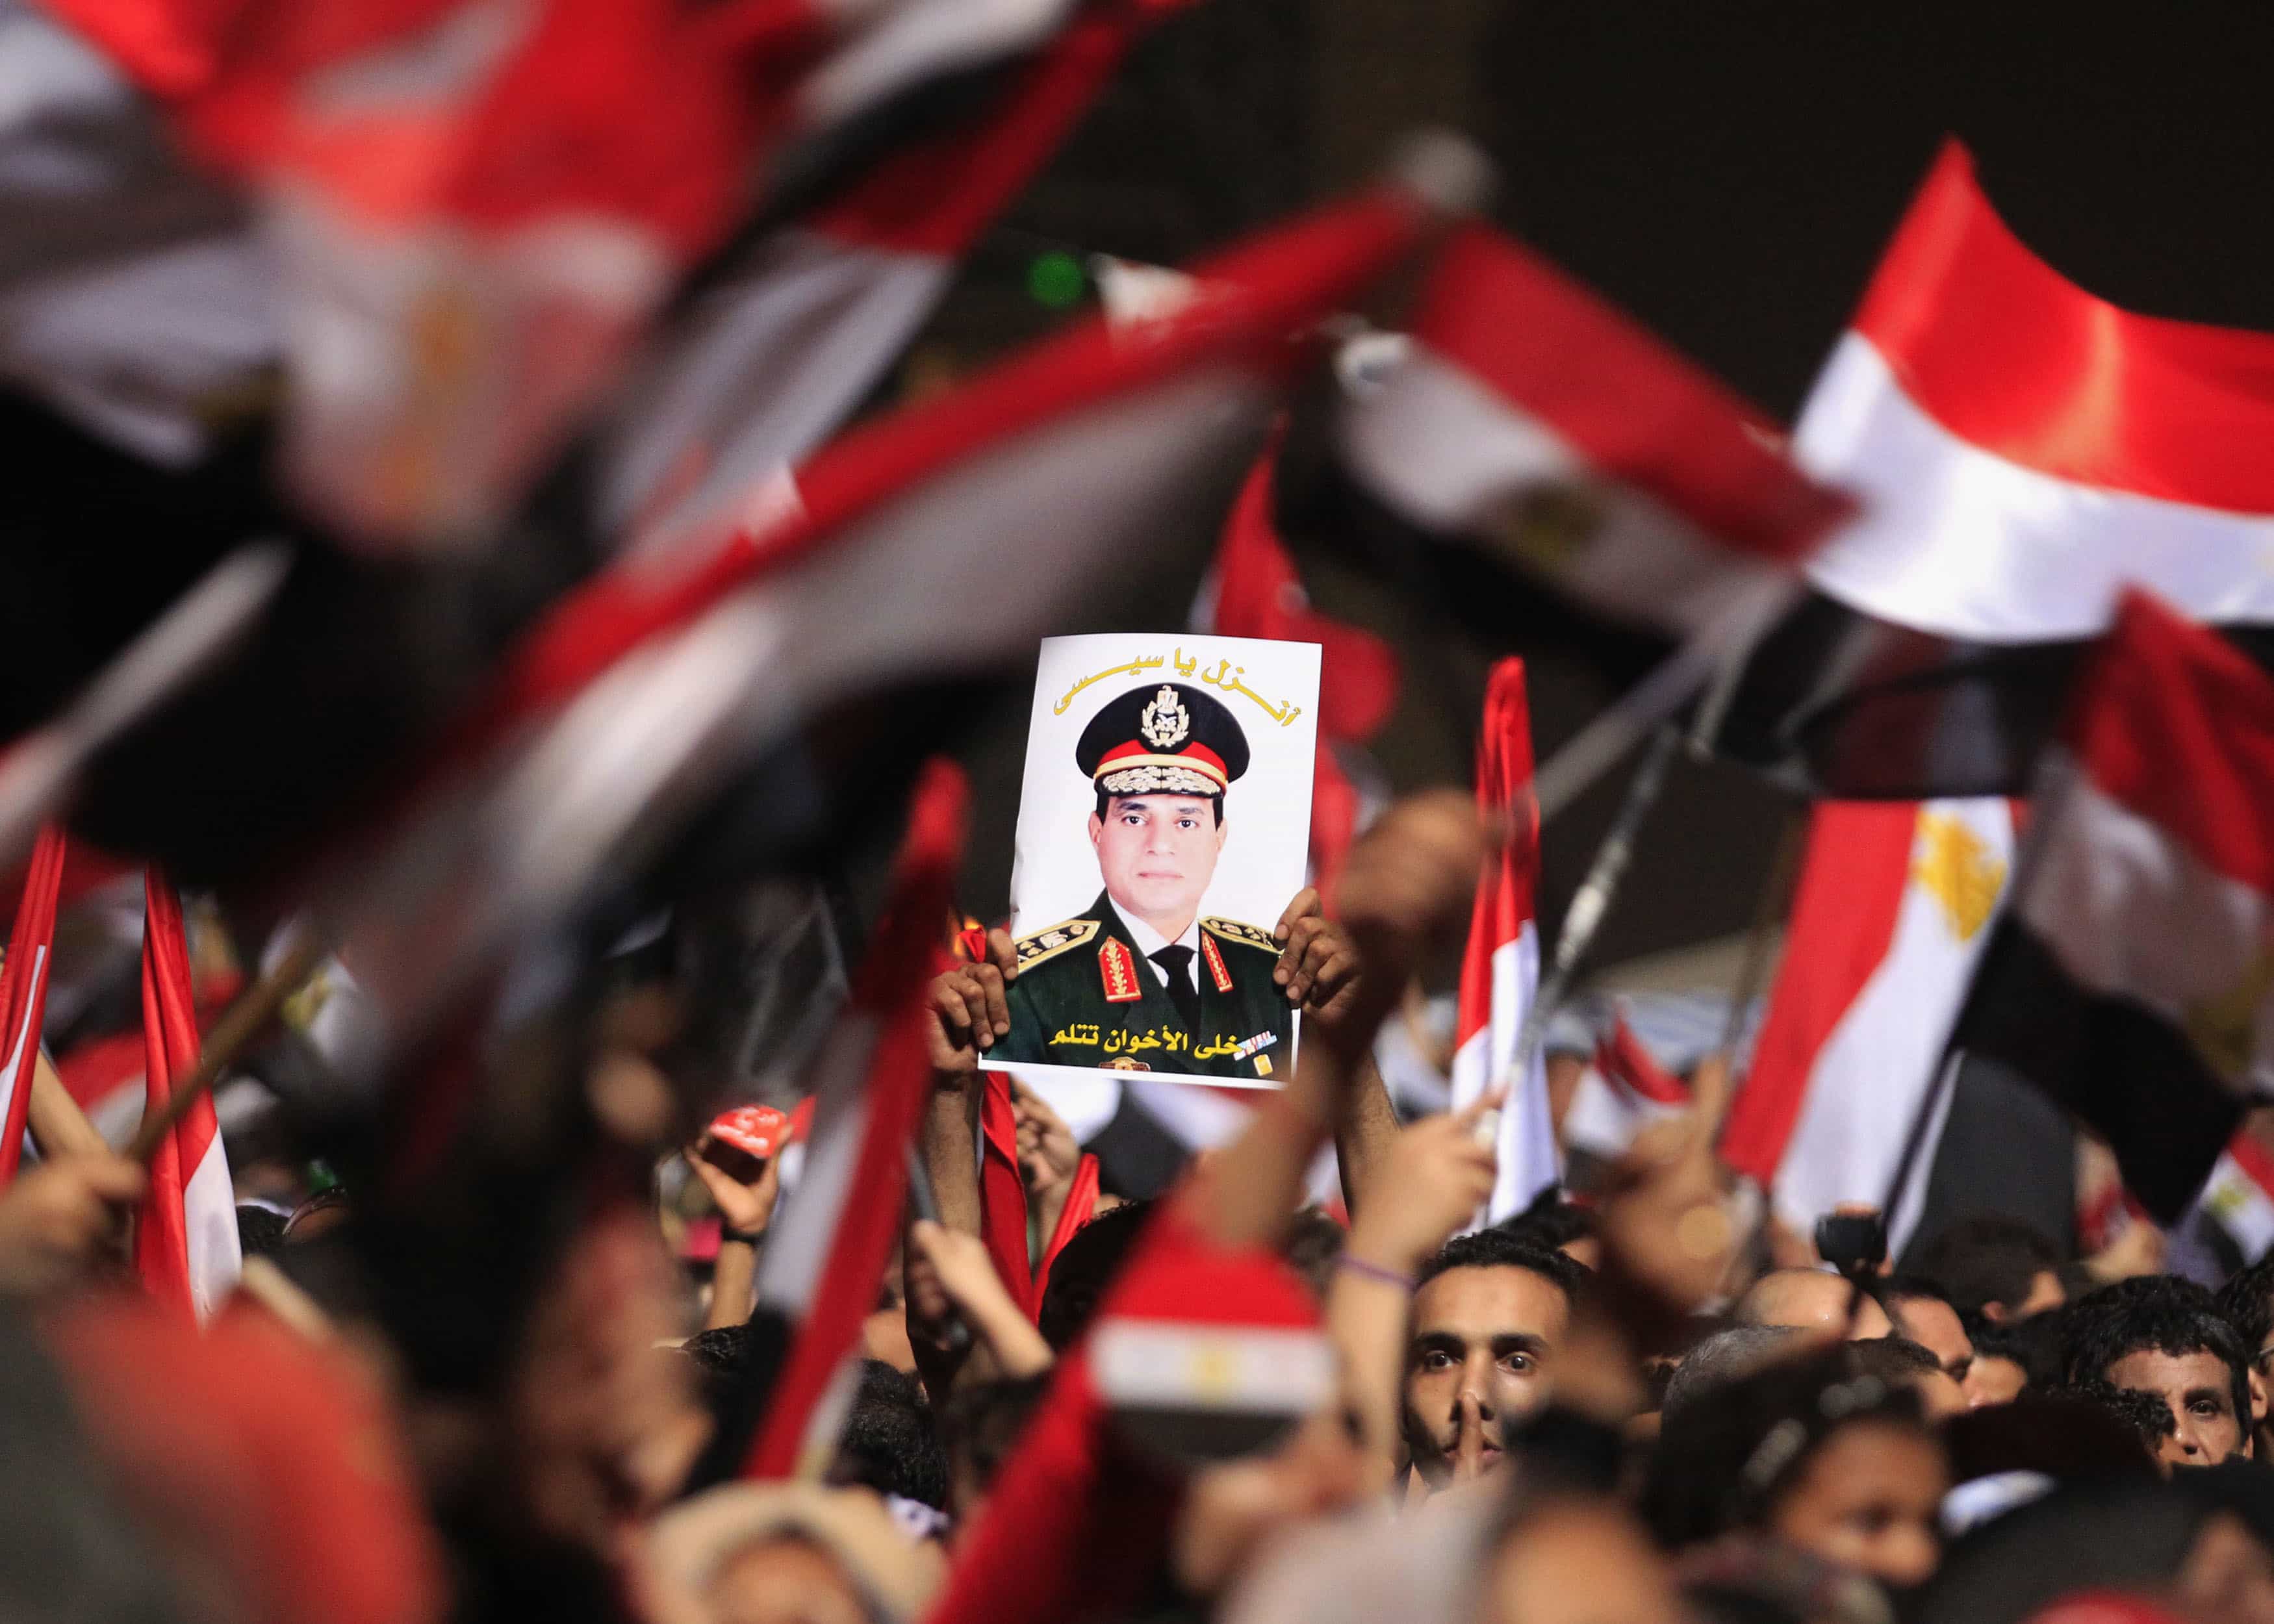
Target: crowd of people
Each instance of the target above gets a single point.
(1622, 1406)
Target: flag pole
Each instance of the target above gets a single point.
(1591, 901)
(245, 1020)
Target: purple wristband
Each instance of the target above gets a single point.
(1374, 1271)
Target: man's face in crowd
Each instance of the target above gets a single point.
(1157, 854)
(1934, 1325)
(2045, 1295)
(2200, 1392)
(1483, 1349)
(1867, 1499)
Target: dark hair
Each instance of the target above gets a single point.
(889, 1443)
(1105, 801)
(1978, 1262)
(1086, 1266)
(1897, 1287)
(259, 1230)
(1313, 1244)
(1892, 1358)
(1551, 1222)
(2248, 1301)
(1499, 1249)
(982, 1423)
(2036, 1344)
(1725, 1465)
(718, 1355)
(1728, 1354)
(2145, 1413)
(2154, 1312)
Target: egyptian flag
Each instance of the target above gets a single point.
(2232, 1220)
(1532, 421)
(1621, 1092)
(477, 211)
(1500, 974)
(1036, 493)
(1253, 591)
(776, 347)
(836, 1232)
(1895, 903)
(24, 992)
(2022, 450)
(186, 1245)
(2130, 977)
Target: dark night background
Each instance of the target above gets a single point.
(1729, 173)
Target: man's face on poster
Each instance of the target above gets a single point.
(1157, 854)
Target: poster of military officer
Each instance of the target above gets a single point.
(1163, 827)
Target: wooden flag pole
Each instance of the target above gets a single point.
(245, 1020)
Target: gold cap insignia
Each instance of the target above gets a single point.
(1166, 723)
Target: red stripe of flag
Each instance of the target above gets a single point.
(2006, 352)
(24, 991)
(887, 997)
(170, 1049)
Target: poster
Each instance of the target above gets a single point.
(1164, 823)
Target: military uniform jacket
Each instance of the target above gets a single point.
(1085, 996)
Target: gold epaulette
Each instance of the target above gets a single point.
(1247, 936)
(1049, 943)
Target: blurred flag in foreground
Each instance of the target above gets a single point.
(1532, 421)
(2023, 450)
(1500, 974)
(2132, 978)
(836, 1231)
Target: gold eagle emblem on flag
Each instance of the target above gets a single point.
(2224, 1027)
(1955, 867)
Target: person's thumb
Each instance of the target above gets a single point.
(1469, 1116)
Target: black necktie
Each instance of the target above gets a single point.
(1174, 959)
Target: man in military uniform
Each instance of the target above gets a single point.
(1143, 982)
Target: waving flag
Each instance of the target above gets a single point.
(24, 992)
(1253, 591)
(2023, 450)
(1896, 904)
(1500, 975)
(2132, 978)
(835, 1232)
(186, 1245)
(778, 349)
(2231, 1225)
(1533, 420)
(1621, 1093)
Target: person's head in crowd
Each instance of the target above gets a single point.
(2130, 1535)
(1813, 1302)
(2158, 1334)
(316, 1216)
(1902, 1363)
(979, 1427)
(2246, 1301)
(259, 1229)
(790, 1554)
(2016, 1354)
(1084, 1269)
(1553, 1224)
(1920, 1313)
(1994, 1269)
(1839, 1464)
(1489, 1313)
(1724, 1357)
(889, 1444)
(1313, 1244)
